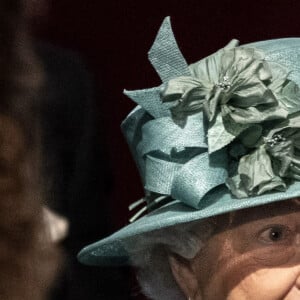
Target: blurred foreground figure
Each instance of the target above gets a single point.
(76, 171)
(28, 257)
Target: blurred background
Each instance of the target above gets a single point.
(91, 51)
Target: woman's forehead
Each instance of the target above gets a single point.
(259, 212)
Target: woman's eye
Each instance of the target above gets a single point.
(275, 234)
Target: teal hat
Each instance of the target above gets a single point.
(216, 136)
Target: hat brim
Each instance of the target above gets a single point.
(112, 250)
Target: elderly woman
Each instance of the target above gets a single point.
(217, 146)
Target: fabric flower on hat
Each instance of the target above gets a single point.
(272, 164)
(235, 88)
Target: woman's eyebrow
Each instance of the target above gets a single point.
(263, 216)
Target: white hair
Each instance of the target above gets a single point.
(149, 255)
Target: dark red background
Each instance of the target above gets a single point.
(113, 38)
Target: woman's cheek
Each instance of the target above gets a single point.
(274, 256)
(267, 284)
(256, 274)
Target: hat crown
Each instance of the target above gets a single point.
(186, 157)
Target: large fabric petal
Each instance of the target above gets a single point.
(255, 175)
(237, 84)
(283, 144)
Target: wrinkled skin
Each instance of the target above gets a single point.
(256, 257)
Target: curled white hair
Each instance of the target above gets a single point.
(149, 255)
